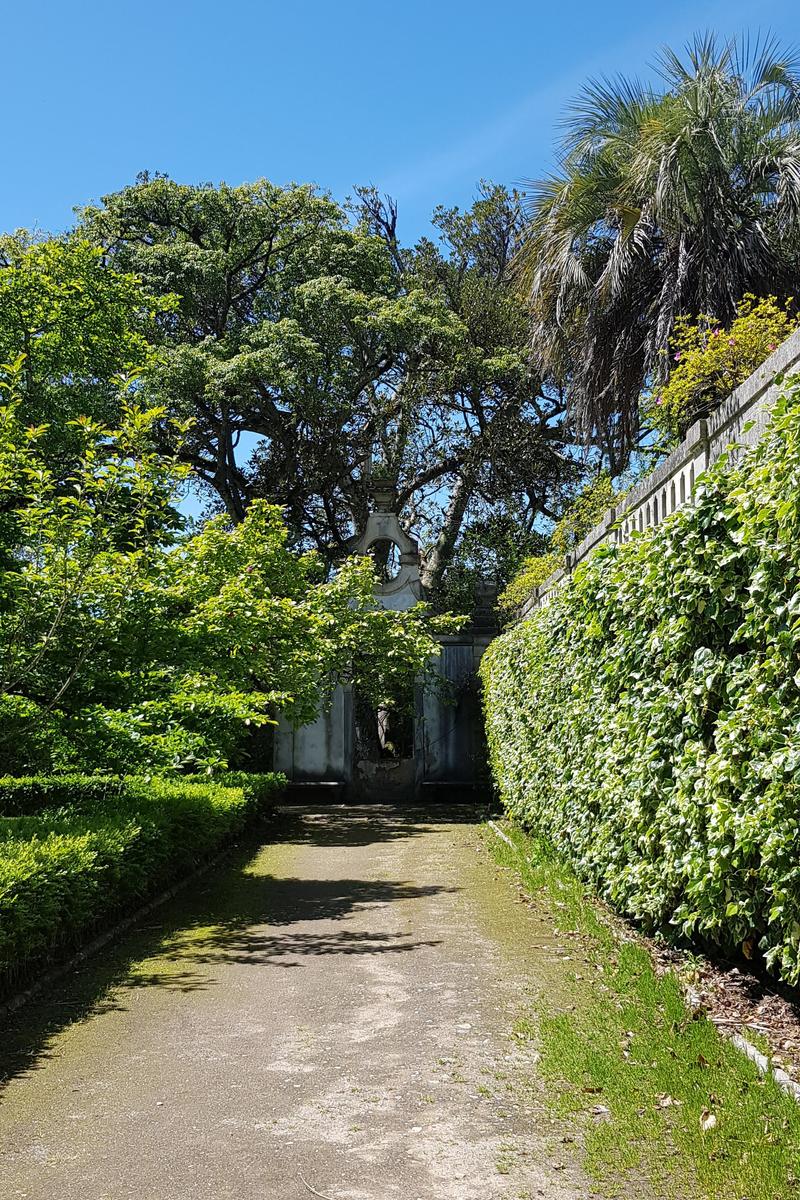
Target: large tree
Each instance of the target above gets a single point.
(122, 651)
(669, 201)
(314, 351)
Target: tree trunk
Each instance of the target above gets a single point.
(438, 558)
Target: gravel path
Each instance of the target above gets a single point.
(332, 1014)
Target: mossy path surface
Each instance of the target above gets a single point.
(338, 1011)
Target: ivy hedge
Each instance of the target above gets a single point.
(74, 851)
(647, 721)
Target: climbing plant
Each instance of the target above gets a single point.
(646, 721)
(579, 517)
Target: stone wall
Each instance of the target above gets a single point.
(322, 751)
(740, 420)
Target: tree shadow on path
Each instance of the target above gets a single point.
(240, 914)
(366, 825)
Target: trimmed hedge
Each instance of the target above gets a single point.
(23, 795)
(647, 721)
(81, 849)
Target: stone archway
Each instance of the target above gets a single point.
(427, 744)
(385, 742)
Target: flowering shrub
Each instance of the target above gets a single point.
(708, 362)
(647, 721)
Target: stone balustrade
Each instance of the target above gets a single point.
(739, 421)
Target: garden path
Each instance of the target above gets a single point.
(331, 1014)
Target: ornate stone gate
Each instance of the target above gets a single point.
(437, 753)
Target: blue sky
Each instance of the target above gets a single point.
(420, 98)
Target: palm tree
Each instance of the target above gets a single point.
(668, 201)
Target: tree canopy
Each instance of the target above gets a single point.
(127, 645)
(668, 202)
(307, 334)
(76, 325)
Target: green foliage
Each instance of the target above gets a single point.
(670, 199)
(22, 795)
(312, 328)
(710, 361)
(76, 547)
(102, 847)
(289, 320)
(259, 790)
(491, 550)
(580, 517)
(121, 652)
(228, 628)
(646, 720)
(535, 570)
(583, 513)
(77, 325)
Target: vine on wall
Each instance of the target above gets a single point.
(647, 721)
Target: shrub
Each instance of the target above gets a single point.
(647, 721)
(534, 571)
(81, 849)
(27, 794)
(258, 789)
(708, 362)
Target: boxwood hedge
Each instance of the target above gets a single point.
(73, 851)
(647, 721)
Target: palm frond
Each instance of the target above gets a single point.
(665, 204)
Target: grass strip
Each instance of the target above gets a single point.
(660, 1099)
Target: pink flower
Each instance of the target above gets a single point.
(731, 341)
(678, 356)
(659, 399)
(716, 332)
(772, 346)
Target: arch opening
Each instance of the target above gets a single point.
(386, 555)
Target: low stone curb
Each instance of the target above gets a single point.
(762, 1062)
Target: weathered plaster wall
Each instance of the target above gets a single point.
(451, 734)
(322, 751)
